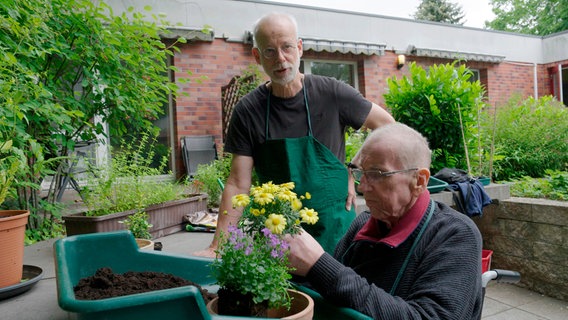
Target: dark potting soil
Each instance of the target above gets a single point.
(107, 284)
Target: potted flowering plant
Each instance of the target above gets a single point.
(252, 260)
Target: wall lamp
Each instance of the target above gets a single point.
(400, 60)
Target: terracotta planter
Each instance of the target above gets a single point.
(145, 244)
(302, 307)
(166, 218)
(12, 234)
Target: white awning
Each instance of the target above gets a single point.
(455, 55)
(191, 34)
(319, 45)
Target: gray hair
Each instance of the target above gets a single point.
(270, 16)
(410, 147)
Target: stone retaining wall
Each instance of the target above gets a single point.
(529, 236)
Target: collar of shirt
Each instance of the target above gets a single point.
(403, 229)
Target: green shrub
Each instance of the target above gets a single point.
(553, 186)
(353, 141)
(531, 137)
(432, 102)
(208, 178)
(138, 224)
(129, 181)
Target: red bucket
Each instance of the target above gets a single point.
(486, 260)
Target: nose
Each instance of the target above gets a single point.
(280, 56)
(363, 184)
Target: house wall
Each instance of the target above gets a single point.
(213, 64)
(527, 67)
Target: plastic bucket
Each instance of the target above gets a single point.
(486, 260)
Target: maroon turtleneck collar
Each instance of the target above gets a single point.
(402, 230)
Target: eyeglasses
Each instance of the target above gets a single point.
(271, 53)
(374, 175)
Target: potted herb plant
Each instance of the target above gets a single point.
(140, 228)
(127, 185)
(12, 222)
(251, 267)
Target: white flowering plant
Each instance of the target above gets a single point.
(252, 258)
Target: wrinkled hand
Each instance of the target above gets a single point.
(304, 252)
(209, 252)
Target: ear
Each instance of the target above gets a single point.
(422, 177)
(300, 47)
(256, 54)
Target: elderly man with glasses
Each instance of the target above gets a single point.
(407, 257)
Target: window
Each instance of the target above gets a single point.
(340, 70)
(475, 75)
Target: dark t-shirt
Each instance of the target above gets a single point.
(333, 107)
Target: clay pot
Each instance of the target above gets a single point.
(302, 307)
(145, 244)
(12, 235)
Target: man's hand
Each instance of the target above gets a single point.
(351, 193)
(304, 252)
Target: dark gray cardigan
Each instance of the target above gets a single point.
(442, 279)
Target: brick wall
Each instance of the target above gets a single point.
(213, 64)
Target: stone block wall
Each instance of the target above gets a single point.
(529, 236)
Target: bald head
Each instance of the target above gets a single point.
(274, 20)
(406, 145)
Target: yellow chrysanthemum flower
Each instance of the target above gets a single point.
(263, 198)
(309, 216)
(286, 195)
(240, 200)
(308, 196)
(288, 185)
(257, 212)
(296, 204)
(276, 223)
(269, 187)
(255, 190)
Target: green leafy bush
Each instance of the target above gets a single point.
(64, 63)
(138, 224)
(553, 186)
(129, 181)
(531, 137)
(438, 103)
(209, 177)
(353, 141)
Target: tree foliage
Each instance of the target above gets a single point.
(440, 102)
(65, 63)
(440, 11)
(536, 17)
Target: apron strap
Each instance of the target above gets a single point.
(403, 268)
(307, 110)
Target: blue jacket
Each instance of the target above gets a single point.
(473, 197)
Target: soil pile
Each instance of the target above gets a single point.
(107, 284)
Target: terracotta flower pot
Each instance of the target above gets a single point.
(302, 307)
(12, 234)
(145, 244)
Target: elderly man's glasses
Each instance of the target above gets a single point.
(271, 53)
(374, 175)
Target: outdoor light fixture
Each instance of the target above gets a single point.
(400, 60)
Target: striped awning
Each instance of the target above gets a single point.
(191, 34)
(319, 45)
(455, 55)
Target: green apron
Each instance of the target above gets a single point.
(314, 169)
